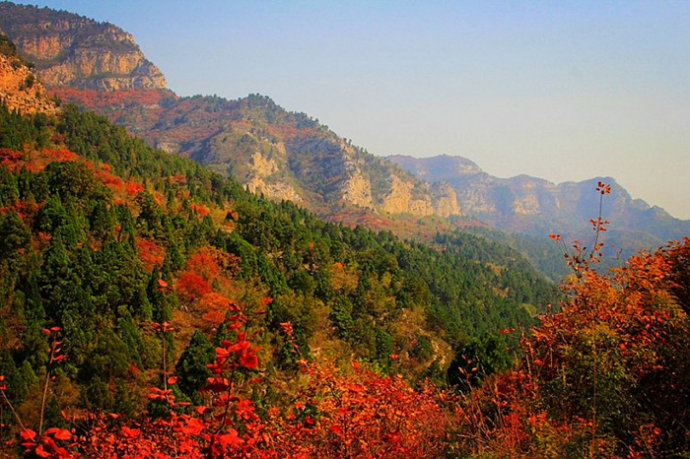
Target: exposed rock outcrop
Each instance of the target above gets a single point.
(445, 200)
(71, 50)
(21, 90)
(401, 199)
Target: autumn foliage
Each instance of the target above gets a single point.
(331, 414)
(604, 374)
(607, 375)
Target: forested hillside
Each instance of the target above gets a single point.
(103, 235)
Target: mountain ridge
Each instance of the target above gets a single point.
(537, 205)
(291, 156)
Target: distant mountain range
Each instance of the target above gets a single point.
(292, 156)
(537, 206)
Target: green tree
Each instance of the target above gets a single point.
(191, 368)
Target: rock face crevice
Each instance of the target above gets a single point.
(71, 50)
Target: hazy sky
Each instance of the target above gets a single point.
(559, 90)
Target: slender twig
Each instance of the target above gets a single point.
(45, 387)
(165, 366)
(16, 415)
(592, 449)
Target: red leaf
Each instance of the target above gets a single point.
(229, 439)
(201, 409)
(27, 434)
(59, 434)
(130, 433)
(193, 426)
(249, 361)
(39, 451)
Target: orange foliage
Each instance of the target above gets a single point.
(191, 286)
(24, 209)
(177, 179)
(361, 415)
(133, 188)
(11, 159)
(158, 198)
(113, 182)
(607, 374)
(200, 210)
(93, 98)
(215, 307)
(150, 253)
(332, 415)
(210, 262)
(60, 155)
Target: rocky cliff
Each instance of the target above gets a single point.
(280, 154)
(19, 87)
(71, 50)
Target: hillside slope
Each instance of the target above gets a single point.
(103, 237)
(282, 154)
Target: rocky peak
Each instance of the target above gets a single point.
(71, 50)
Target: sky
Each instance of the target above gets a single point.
(564, 90)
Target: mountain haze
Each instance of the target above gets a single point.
(537, 206)
(291, 156)
(155, 303)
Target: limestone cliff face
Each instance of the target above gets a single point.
(445, 200)
(357, 190)
(401, 199)
(21, 90)
(259, 180)
(70, 50)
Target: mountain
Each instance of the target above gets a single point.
(536, 206)
(71, 50)
(281, 154)
(291, 156)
